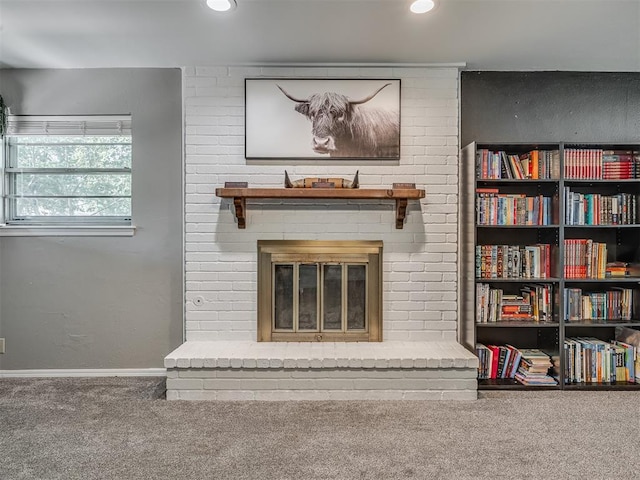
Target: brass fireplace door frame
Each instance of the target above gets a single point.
(364, 251)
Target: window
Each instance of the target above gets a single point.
(67, 170)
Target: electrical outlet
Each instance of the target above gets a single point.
(1, 345)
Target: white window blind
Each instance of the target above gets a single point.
(85, 125)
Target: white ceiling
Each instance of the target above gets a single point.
(583, 35)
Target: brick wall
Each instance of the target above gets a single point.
(419, 261)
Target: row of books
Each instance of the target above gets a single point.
(534, 303)
(614, 304)
(535, 164)
(584, 258)
(597, 209)
(529, 366)
(493, 208)
(513, 261)
(591, 360)
(579, 163)
(595, 163)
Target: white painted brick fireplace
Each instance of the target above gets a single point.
(419, 262)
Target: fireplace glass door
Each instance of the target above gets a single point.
(319, 297)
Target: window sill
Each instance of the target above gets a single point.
(67, 231)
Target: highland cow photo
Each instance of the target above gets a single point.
(316, 118)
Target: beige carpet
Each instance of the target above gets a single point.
(122, 428)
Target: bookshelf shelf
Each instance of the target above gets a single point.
(510, 384)
(520, 227)
(588, 227)
(511, 181)
(602, 323)
(591, 181)
(603, 280)
(518, 280)
(554, 193)
(602, 386)
(513, 324)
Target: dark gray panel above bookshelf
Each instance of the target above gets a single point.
(509, 107)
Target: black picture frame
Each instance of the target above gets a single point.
(352, 118)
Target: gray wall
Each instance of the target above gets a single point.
(101, 302)
(550, 107)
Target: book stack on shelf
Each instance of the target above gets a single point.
(536, 368)
(569, 274)
(620, 164)
(622, 270)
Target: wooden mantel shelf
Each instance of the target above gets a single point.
(401, 196)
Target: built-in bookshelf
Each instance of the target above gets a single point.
(556, 265)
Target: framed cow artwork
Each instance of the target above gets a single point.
(309, 119)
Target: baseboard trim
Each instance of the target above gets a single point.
(86, 372)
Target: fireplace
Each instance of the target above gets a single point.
(319, 291)
(419, 358)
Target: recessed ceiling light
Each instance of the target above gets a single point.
(221, 5)
(422, 6)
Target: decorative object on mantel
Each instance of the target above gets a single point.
(236, 184)
(400, 195)
(310, 182)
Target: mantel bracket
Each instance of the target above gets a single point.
(240, 206)
(401, 212)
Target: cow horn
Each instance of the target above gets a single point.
(292, 97)
(287, 181)
(366, 99)
(355, 183)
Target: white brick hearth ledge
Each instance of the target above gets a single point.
(321, 371)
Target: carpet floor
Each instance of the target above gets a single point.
(122, 428)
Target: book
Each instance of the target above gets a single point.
(495, 357)
(483, 354)
(502, 359)
(513, 358)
